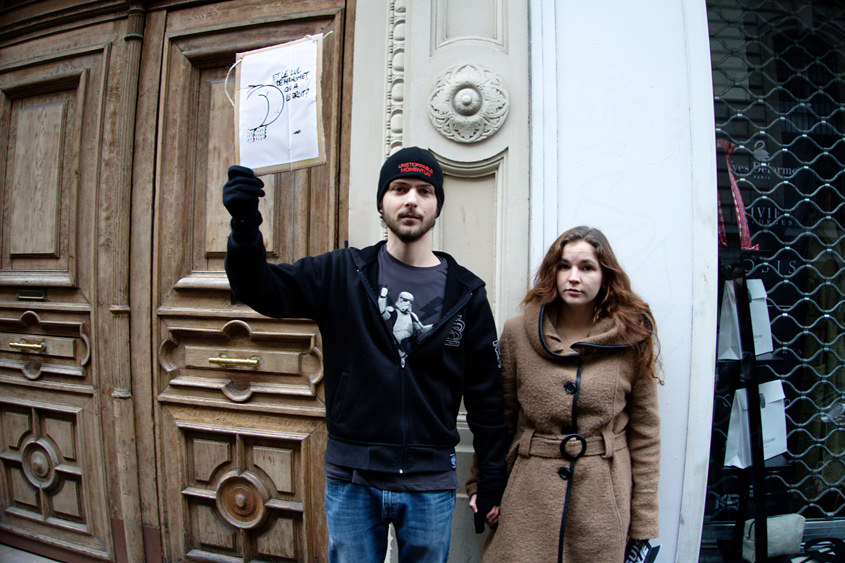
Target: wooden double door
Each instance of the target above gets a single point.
(143, 414)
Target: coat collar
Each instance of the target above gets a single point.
(545, 341)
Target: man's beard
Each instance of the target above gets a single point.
(408, 234)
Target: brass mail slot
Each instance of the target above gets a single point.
(254, 361)
(263, 360)
(28, 347)
(53, 346)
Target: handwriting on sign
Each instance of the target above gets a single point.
(293, 83)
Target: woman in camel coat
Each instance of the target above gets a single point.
(580, 377)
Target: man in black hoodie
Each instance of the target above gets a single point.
(391, 406)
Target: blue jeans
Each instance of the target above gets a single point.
(358, 517)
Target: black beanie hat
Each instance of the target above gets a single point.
(411, 162)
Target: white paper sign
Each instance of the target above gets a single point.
(277, 106)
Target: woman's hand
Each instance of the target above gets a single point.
(492, 516)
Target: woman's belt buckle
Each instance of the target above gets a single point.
(581, 441)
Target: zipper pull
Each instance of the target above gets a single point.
(402, 361)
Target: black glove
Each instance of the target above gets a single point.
(240, 196)
(479, 521)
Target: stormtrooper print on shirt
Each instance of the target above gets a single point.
(410, 299)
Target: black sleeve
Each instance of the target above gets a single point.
(297, 290)
(484, 402)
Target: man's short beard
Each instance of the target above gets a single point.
(406, 236)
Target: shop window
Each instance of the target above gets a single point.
(779, 98)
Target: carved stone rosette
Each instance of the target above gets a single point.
(468, 103)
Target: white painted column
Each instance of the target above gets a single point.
(544, 128)
(622, 139)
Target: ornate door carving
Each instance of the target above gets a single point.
(238, 396)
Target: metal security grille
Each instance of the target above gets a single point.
(780, 107)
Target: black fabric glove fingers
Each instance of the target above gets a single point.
(479, 519)
(241, 192)
(240, 197)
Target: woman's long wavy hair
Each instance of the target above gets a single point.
(615, 300)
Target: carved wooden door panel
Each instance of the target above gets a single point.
(54, 486)
(239, 403)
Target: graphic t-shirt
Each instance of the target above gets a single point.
(410, 298)
(411, 303)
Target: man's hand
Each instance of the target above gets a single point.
(240, 196)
